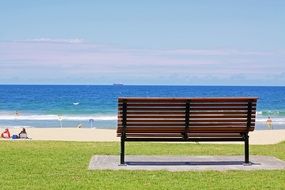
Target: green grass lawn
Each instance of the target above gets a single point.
(63, 165)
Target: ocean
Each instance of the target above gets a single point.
(96, 105)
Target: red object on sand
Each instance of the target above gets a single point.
(6, 134)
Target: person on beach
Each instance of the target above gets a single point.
(23, 134)
(6, 134)
(269, 123)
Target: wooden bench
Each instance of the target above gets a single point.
(186, 119)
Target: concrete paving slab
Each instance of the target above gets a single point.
(185, 163)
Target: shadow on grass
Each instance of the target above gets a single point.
(195, 163)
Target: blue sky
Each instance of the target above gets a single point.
(142, 42)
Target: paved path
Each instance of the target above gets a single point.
(186, 163)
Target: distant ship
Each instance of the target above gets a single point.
(118, 84)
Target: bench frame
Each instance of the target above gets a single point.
(244, 136)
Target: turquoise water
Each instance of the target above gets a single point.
(87, 105)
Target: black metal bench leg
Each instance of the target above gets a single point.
(122, 157)
(246, 149)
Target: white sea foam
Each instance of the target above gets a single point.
(57, 117)
(16, 126)
(259, 112)
(278, 121)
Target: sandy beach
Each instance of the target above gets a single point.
(258, 137)
(69, 134)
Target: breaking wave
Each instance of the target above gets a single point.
(59, 117)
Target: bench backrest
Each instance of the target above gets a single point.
(137, 116)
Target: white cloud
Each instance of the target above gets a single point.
(217, 52)
(50, 40)
(46, 58)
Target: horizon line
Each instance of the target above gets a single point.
(122, 84)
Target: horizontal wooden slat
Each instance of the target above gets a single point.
(182, 104)
(183, 116)
(218, 108)
(215, 99)
(181, 134)
(217, 120)
(156, 112)
(132, 125)
(236, 129)
(153, 116)
(238, 104)
(154, 100)
(152, 129)
(154, 109)
(192, 116)
(153, 135)
(214, 134)
(191, 108)
(154, 104)
(183, 120)
(218, 112)
(184, 101)
(198, 113)
(154, 120)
